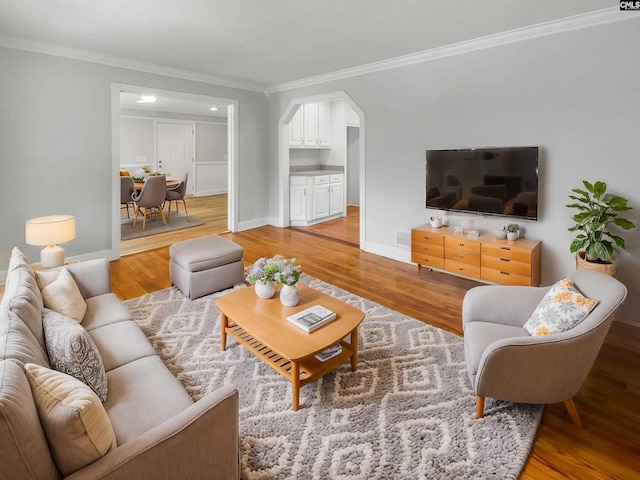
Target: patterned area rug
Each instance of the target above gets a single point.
(155, 225)
(407, 412)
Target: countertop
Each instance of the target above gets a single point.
(315, 173)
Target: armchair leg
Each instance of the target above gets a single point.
(479, 406)
(573, 412)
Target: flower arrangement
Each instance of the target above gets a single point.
(276, 269)
(289, 273)
(263, 270)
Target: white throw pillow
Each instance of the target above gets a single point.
(61, 293)
(76, 424)
(562, 308)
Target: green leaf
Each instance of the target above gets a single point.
(588, 186)
(599, 251)
(578, 244)
(581, 192)
(624, 223)
(577, 205)
(619, 204)
(599, 188)
(619, 241)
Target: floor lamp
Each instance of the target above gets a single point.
(48, 232)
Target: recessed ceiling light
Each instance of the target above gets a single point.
(214, 109)
(146, 99)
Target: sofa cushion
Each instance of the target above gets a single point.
(142, 395)
(75, 423)
(121, 343)
(25, 453)
(560, 309)
(22, 296)
(72, 351)
(17, 342)
(60, 293)
(104, 310)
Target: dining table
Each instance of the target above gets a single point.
(171, 182)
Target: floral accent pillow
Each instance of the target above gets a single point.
(562, 308)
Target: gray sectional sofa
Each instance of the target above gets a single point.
(159, 431)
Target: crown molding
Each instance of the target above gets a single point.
(599, 17)
(92, 57)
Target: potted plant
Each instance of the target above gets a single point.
(288, 276)
(513, 230)
(262, 274)
(597, 210)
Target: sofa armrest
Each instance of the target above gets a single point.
(502, 304)
(200, 442)
(93, 277)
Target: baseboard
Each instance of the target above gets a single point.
(399, 254)
(255, 223)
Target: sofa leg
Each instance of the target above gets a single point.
(479, 406)
(573, 412)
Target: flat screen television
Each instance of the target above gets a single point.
(485, 181)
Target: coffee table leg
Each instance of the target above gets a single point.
(224, 322)
(295, 385)
(354, 347)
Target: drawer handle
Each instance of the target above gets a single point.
(505, 273)
(460, 256)
(426, 238)
(426, 248)
(461, 244)
(505, 260)
(460, 268)
(505, 248)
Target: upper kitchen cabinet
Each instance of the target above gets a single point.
(311, 126)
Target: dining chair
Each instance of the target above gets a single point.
(177, 194)
(126, 190)
(151, 199)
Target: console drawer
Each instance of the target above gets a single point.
(503, 251)
(431, 249)
(428, 260)
(425, 237)
(462, 244)
(506, 265)
(462, 256)
(462, 268)
(504, 278)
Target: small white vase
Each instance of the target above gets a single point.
(512, 235)
(289, 295)
(265, 290)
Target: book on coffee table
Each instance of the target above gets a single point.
(312, 318)
(328, 353)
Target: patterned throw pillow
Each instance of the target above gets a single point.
(76, 424)
(72, 351)
(61, 293)
(562, 308)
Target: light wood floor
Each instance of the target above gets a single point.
(608, 447)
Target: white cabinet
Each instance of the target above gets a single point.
(315, 198)
(310, 127)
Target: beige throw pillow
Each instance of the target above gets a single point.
(60, 293)
(72, 351)
(76, 424)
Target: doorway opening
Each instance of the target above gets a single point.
(343, 153)
(180, 135)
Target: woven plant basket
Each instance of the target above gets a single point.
(606, 268)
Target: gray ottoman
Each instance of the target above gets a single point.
(205, 265)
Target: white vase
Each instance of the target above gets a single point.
(512, 235)
(289, 295)
(265, 290)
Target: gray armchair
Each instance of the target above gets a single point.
(505, 362)
(151, 199)
(127, 189)
(177, 194)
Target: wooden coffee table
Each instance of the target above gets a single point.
(262, 327)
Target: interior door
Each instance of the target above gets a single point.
(175, 150)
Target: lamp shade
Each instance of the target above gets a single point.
(50, 230)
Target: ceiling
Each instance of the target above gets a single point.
(263, 43)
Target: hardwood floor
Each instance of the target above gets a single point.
(608, 447)
(210, 209)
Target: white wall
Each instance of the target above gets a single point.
(574, 94)
(55, 146)
(137, 143)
